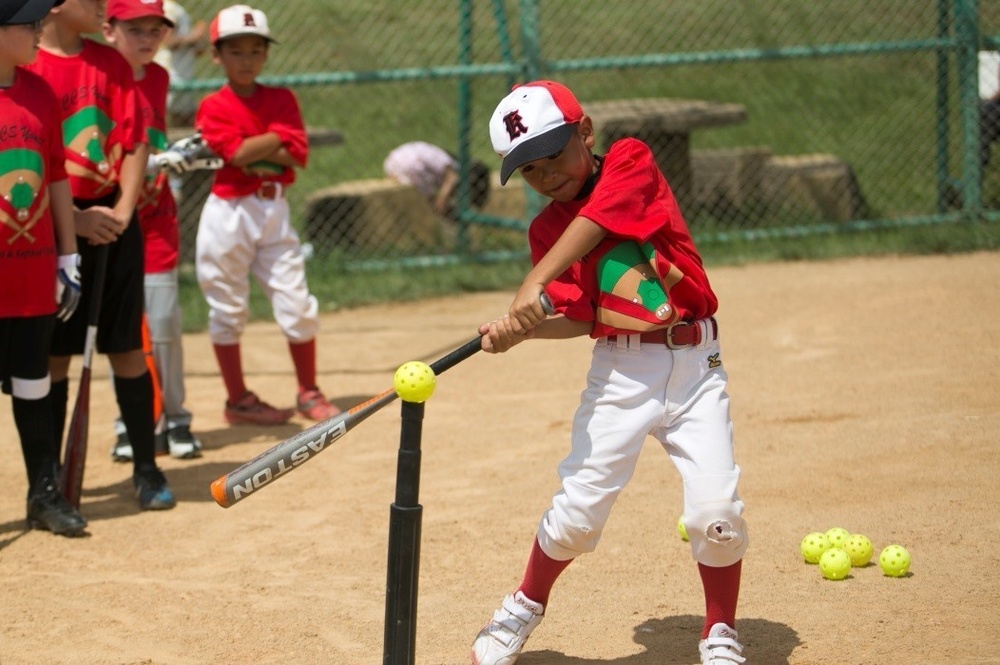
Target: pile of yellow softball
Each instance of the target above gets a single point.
(838, 551)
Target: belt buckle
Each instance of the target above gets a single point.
(267, 191)
(668, 336)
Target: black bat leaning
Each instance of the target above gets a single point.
(291, 453)
(71, 474)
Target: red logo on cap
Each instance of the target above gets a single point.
(514, 124)
(248, 21)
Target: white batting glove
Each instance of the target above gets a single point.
(67, 286)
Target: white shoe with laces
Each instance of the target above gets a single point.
(721, 647)
(501, 640)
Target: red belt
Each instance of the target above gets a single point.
(270, 191)
(682, 334)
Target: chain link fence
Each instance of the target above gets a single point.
(773, 117)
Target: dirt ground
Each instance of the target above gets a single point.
(864, 393)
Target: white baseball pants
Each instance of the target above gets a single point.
(677, 396)
(237, 237)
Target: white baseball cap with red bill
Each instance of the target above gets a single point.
(237, 21)
(535, 120)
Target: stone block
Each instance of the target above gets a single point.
(728, 180)
(377, 214)
(823, 185)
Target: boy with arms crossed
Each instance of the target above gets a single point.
(245, 225)
(135, 28)
(614, 254)
(105, 153)
(38, 257)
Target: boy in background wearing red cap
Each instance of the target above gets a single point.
(614, 255)
(136, 28)
(245, 225)
(106, 153)
(39, 279)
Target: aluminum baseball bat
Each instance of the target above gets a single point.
(71, 473)
(291, 453)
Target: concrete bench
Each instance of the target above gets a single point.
(823, 185)
(374, 214)
(751, 181)
(380, 214)
(728, 180)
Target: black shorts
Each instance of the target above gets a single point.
(24, 343)
(119, 327)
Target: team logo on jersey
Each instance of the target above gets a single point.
(24, 200)
(87, 156)
(631, 295)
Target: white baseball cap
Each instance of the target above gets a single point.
(237, 21)
(535, 120)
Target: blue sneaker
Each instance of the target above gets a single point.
(151, 488)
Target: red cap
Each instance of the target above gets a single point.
(126, 10)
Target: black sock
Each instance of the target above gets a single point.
(33, 418)
(135, 400)
(58, 397)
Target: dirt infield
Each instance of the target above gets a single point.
(866, 394)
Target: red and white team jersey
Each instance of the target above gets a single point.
(31, 158)
(646, 273)
(99, 112)
(156, 207)
(226, 120)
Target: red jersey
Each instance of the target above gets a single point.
(31, 158)
(226, 120)
(646, 273)
(156, 207)
(99, 112)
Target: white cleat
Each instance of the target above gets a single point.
(721, 647)
(501, 640)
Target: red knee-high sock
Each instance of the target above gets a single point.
(231, 368)
(304, 359)
(540, 575)
(722, 591)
